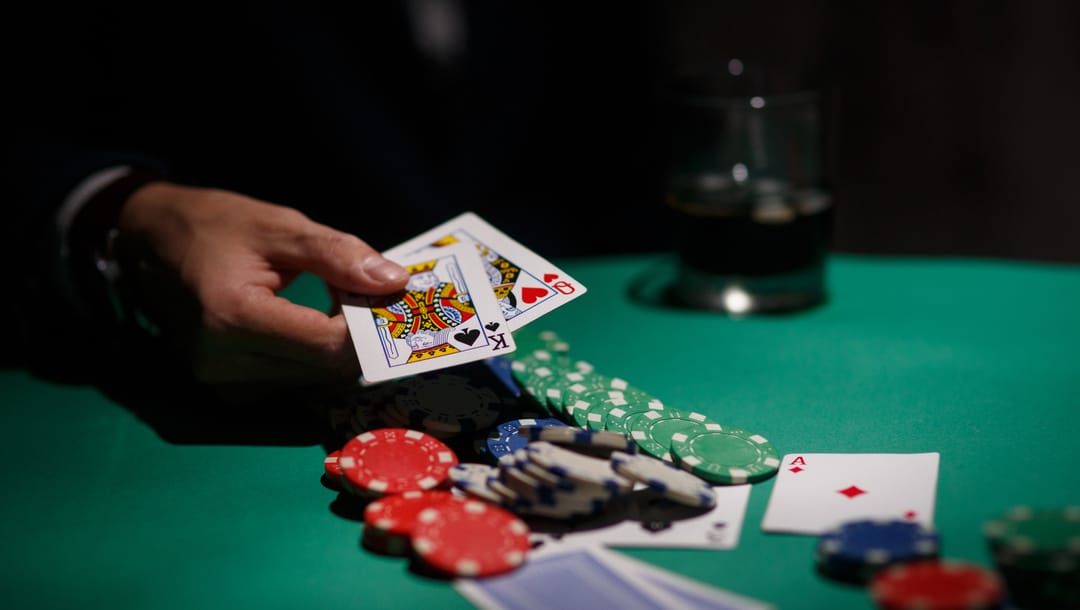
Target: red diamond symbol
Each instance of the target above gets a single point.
(909, 515)
(795, 469)
(852, 491)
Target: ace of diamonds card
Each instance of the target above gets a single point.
(815, 492)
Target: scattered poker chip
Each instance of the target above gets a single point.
(856, 550)
(499, 367)
(674, 484)
(584, 387)
(445, 405)
(936, 585)
(396, 513)
(726, 457)
(389, 521)
(395, 460)
(470, 539)
(577, 467)
(331, 466)
(472, 479)
(654, 431)
(504, 439)
(382, 543)
(1036, 538)
(619, 414)
(1037, 552)
(578, 438)
(528, 341)
(530, 373)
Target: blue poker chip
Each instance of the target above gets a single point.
(500, 369)
(856, 550)
(504, 439)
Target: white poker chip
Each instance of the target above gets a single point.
(673, 483)
(472, 478)
(570, 435)
(578, 467)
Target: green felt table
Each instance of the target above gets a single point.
(977, 360)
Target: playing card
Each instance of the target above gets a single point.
(576, 578)
(644, 519)
(525, 284)
(593, 577)
(814, 492)
(689, 594)
(446, 316)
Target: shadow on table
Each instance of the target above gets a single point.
(144, 380)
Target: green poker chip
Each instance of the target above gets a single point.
(618, 415)
(655, 431)
(1046, 539)
(726, 457)
(583, 383)
(528, 340)
(617, 402)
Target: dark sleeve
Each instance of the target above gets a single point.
(70, 97)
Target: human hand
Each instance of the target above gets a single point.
(209, 265)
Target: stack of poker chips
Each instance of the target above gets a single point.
(573, 391)
(552, 438)
(899, 563)
(565, 473)
(855, 551)
(1037, 552)
(937, 585)
(404, 475)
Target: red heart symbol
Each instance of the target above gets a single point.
(550, 277)
(530, 294)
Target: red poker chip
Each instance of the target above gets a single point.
(396, 514)
(382, 543)
(470, 538)
(395, 460)
(936, 585)
(331, 465)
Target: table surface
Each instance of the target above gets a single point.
(974, 359)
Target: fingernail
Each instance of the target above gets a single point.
(387, 271)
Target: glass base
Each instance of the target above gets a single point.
(743, 295)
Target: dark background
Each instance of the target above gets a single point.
(953, 126)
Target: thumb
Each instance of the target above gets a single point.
(343, 260)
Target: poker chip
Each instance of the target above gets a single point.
(1037, 552)
(389, 521)
(936, 585)
(617, 417)
(504, 439)
(395, 460)
(726, 457)
(603, 402)
(582, 384)
(856, 550)
(577, 467)
(591, 440)
(654, 431)
(331, 466)
(396, 513)
(445, 405)
(470, 539)
(472, 478)
(1036, 538)
(528, 341)
(674, 484)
